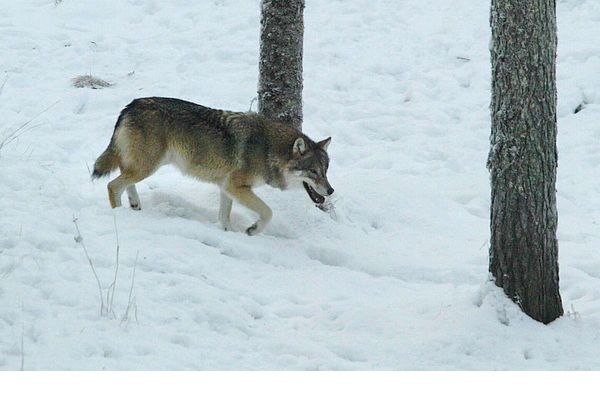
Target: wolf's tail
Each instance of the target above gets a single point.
(109, 159)
(107, 162)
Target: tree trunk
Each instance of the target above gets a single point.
(523, 158)
(280, 65)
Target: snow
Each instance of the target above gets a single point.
(397, 280)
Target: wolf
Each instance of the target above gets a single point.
(237, 151)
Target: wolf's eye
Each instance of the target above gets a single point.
(312, 172)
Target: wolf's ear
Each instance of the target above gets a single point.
(299, 147)
(324, 144)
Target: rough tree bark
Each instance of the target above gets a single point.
(280, 64)
(523, 157)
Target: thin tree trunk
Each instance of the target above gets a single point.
(523, 157)
(280, 65)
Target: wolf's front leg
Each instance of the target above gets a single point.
(225, 211)
(247, 198)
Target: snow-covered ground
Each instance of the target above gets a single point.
(398, 280)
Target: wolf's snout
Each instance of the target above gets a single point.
(330, 191)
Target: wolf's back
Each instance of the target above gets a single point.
(205, 133)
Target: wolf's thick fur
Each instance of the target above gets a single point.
(236, 151)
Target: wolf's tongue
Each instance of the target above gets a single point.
(314, 196)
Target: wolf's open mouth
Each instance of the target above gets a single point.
(314, 196)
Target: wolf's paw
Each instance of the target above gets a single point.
(256, 228)
(134, 199)
(253, 230)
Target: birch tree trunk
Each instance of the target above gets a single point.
(523, 157)
(280, 64)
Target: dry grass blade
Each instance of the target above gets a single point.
(79, 239)
(19, 131)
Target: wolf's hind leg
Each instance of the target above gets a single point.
(134, 199)
(117, 186)
(225, 211)
(247, 198)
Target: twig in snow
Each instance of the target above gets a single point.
(3, 84)
(79, 239)
(580, 107)
(131, 301)
(19, 131)
(22, 338)
(110, 296)
(4, 275)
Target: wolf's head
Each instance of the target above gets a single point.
(309, 166)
